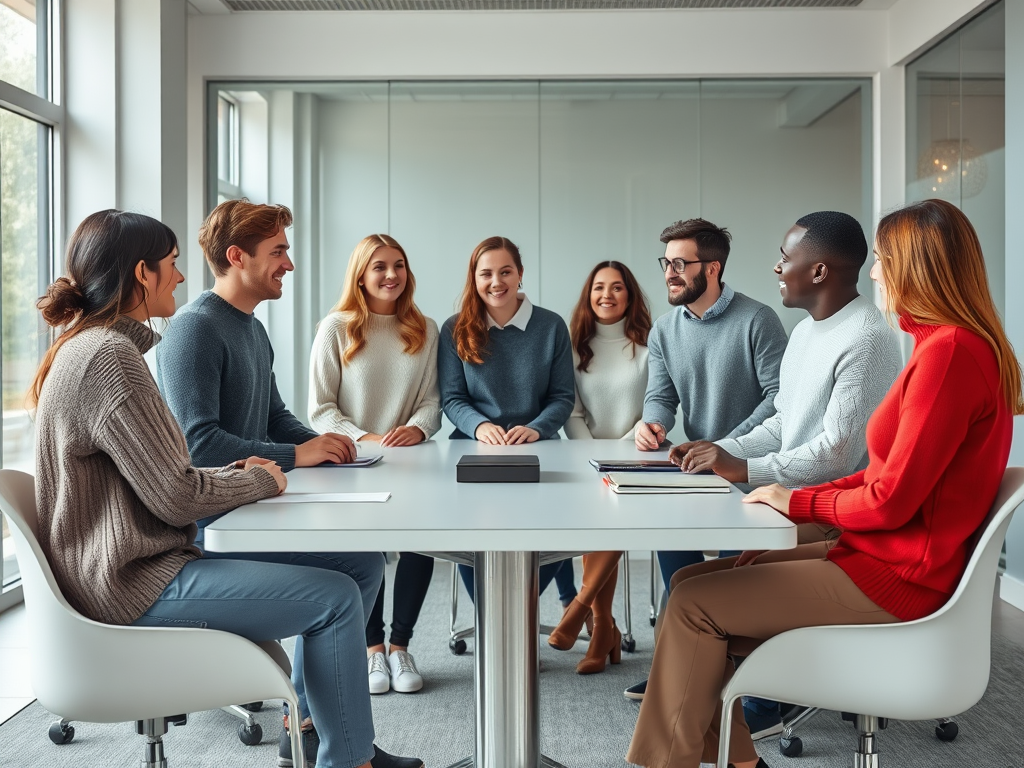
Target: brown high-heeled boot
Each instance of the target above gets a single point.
(606, 641)
(597, 568)
(564, 635)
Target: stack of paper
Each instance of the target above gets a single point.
(665, 482)
(325, 498)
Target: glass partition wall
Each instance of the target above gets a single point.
(573, 172)
(956, 132)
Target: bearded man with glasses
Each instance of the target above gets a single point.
(715, 356)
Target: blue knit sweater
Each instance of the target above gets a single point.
(215, 370)
(526, 378)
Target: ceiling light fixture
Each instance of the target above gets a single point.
(952, 167)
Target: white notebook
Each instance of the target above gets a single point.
(666, 482)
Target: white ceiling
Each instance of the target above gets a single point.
(218, 7)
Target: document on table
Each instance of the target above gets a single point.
(679, 482)
(359, 461)
(326, 498)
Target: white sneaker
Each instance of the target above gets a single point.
(405, 678)
(377, 667)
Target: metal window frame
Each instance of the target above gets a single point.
(48, 113)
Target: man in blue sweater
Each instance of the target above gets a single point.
(215, 370)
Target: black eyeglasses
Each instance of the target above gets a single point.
(678, 265)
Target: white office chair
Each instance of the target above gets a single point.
(926, 669)
(91, 672)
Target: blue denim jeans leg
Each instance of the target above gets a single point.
(366, 569)
(547, 574)
(565, 580)
(271, 601)
(670, 562)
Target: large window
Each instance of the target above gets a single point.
(227, 148)
(27, 121)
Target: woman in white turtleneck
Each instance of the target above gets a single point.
(609, 344)
(373, 377)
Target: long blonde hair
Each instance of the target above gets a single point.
(412, 326)
(935, 273)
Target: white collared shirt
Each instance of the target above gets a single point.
(520, 319)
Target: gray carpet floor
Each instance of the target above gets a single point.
(585, 721)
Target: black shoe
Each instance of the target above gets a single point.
(382, 759)
(636, 692)
(763, 722)
(310, 745)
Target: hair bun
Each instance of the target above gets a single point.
(63, 303)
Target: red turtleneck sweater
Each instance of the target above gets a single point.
(937, 447)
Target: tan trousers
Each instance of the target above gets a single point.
(718, 610)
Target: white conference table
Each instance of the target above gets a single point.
(507, 526)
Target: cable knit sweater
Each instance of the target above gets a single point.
(834, 374)
(610, 393)
(117, 494)
(938, 445)
(380, 388)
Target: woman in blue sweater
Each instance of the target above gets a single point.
(504, 366)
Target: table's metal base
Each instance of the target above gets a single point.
(506, 666)
(545, 762)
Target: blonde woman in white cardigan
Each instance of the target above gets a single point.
(609, 330)
(373, 377)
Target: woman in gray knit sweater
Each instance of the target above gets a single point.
(118, 497)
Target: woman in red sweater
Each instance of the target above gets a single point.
(937, 444)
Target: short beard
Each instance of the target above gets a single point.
(692, 292)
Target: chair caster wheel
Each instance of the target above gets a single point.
(253, 706)
(458, 647)
(944, 731)
(250, 736)
(791, 747)
(60, 733)
(629, 646)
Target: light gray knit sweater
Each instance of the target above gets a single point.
(834, 374)
(117, 495)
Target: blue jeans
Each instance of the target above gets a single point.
(547, 573)
(269, 601)
(670, 562)
(366, 569)
(565, 580)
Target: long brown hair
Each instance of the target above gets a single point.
(470, 332)
(583, 325)
(100, 283)
(935, 273)
(412, 326)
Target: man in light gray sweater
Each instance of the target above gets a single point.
(716, 355)
(840, 362)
